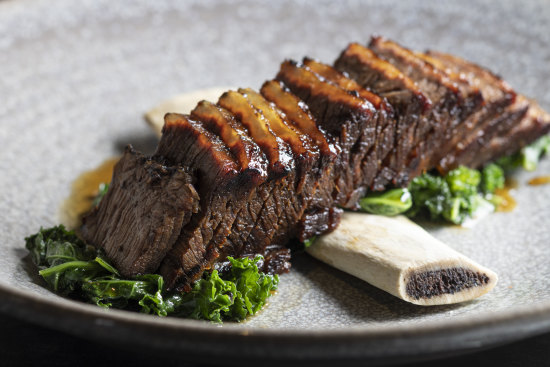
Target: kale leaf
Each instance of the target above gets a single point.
(458, 196)
(309, 241)
(390, 203)
(56, 245)
(72, 268)
(492, 178)
(528, 157)
(243, 292)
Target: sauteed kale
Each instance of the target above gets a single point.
(72, 268)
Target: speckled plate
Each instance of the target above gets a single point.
(76, 78)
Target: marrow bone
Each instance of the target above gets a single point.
(399, 257)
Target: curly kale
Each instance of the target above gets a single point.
(454, 198)
(72, 268)
(457, 196)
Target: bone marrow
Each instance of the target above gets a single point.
(434, 283)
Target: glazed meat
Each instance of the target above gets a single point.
(249, 173)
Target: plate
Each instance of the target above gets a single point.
(77, 77)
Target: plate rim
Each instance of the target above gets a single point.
(454, 335)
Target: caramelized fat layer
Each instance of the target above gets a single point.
(366, 56)
(257, 126)
(304, 78)
(212, 116)
(297, 113)
(406, 55)
(275, 121)
(476, 75)
(339, 79)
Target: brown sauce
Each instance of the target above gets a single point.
(508, 202)
(83, 191)
(540, 180)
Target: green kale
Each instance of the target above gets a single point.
(390, 203)
(528, 157)
(456, 197)
(243, 292)
(112, 291)
(463, 181)
(53, 246)
(492, 178)
(309, 241)
(72, 268)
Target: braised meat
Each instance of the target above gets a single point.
(247, 174)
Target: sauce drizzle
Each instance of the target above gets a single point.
(540, 180)
(508, 203)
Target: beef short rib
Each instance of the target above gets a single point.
(249, 173)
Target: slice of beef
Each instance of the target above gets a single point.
(412, 107)
(303, 149)
(187, 142)
(469, 92)
(141, 216)
(474, 108)
(347, 119)
(491, 85)
(469, 150)
(385, 134)
(449, 108)
(320, 215)
(298, 114)
(500, 110)
(532, 126)
(221, 122)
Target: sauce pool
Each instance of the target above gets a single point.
(508, 203)
(84, 189)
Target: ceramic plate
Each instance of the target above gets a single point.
(76, 78)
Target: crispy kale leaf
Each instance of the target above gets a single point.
(72, 268)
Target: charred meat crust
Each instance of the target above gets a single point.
(247, 174)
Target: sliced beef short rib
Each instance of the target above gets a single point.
(247, 174)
